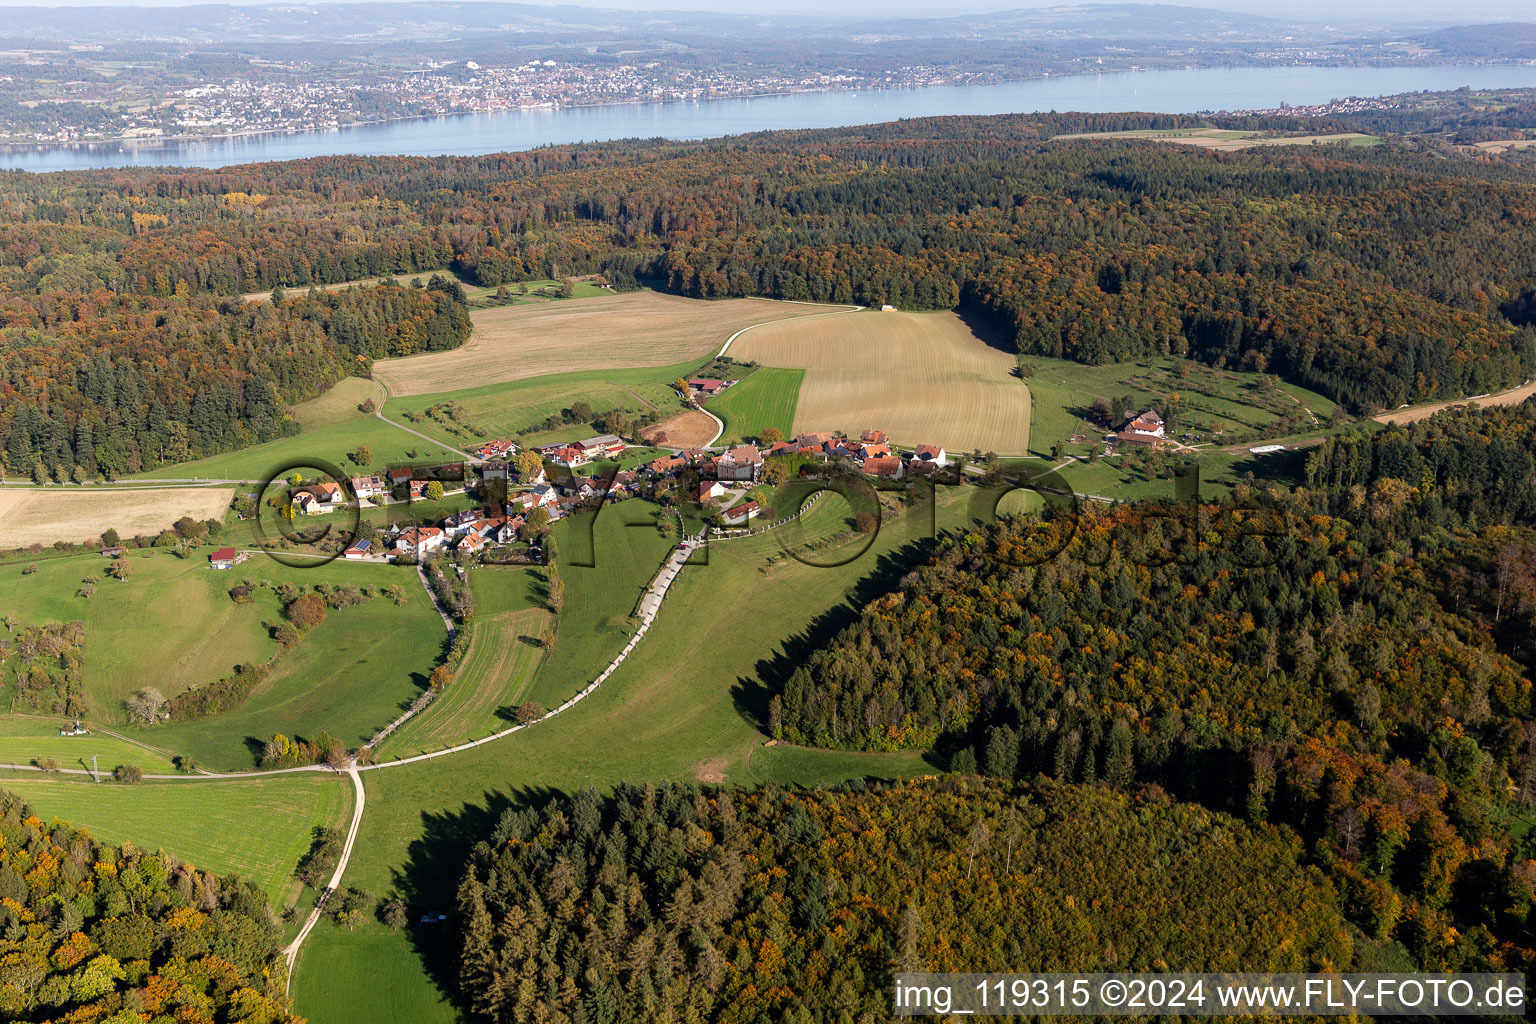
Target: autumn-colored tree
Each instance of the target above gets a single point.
(306, 611)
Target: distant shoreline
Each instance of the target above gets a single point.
(151, 141)
(474, 133)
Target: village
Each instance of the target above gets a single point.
(519, 493)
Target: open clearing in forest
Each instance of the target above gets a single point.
(1228, 139)
(339, 404)
(630, 330)
(924, 378)
(47, 514)
(1514, 396)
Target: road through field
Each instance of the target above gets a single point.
(359, 797)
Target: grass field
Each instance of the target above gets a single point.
(496, 672)
(1215, 402)
(635, 329)
(924, 378)
(335, 443)
(43, 515)
(338, 405)
(24, 739)
(508, 408)
(766, 398)
(171, 625)
(255, 828)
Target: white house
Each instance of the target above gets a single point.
(930, 453)
(420, 540)
(1148, 424)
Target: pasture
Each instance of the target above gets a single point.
(519, 409)
(613, 331)
(1216, 404)
(924, 378)
(43, 515)
(765, 398)
(25, 739)
(338, 405)
(255, 828)
(172, 625)
(335, 443)
(498, 668)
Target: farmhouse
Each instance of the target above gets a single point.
(459, 523)
(883, 465)
(224, 558)
(323, 497)
(399, 475)
(569, 456)
(707, 491)
(742, 513)
(1147, 424)
(704, 387)
(470, 543)
(667, 465)
(873, 437)
(741, 463)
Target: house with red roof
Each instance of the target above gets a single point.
(742, 514)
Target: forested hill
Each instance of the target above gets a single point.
(676, 903)
(93, 932)
(1351, 660)
(1377, 277)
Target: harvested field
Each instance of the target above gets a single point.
(691, 429)
(636, 329)
(1514, 396)
(1228, 140)
(924, 378)
(44, 515)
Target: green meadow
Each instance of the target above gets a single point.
(765, 398)
(512, 408)
(255, 828)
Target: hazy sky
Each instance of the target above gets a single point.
(1382, 10)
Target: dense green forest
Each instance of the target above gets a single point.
(1351, 660)
(1377, 276)
(92, 932)
(676, 903)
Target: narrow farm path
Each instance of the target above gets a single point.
(291, 951)
(379, 412)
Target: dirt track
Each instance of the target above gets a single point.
(1514, 396)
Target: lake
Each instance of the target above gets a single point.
(470, 134)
